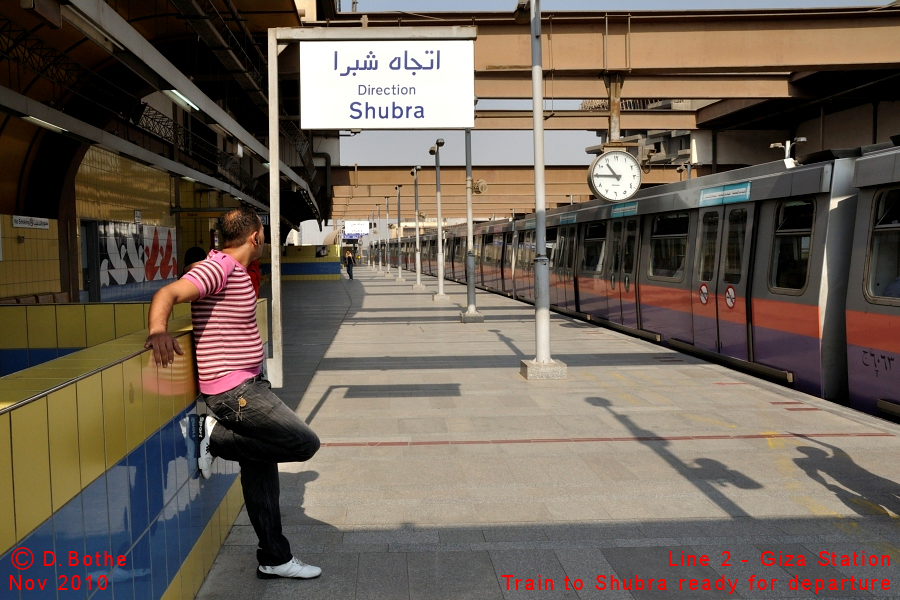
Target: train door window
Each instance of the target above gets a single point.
(630, 246)
(734, 245)
(793, 241)
(884, 261)
(668, 246)
(594, 249)
(551, 245)
(709, 232)
(570, 250)
(508, 257)
(617, 247)
(559, 256)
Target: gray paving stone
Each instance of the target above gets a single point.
(537, 568)
(382, 576)
(452, 576)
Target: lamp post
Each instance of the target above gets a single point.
(378, 240)
(542, 367)
(399, 249)
(788, 145)
(471, 315)
(436, 152)
(418, 287)
(387, 239)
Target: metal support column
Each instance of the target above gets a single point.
(418, 287)
(399, 247)
(387, 233)
(378, 242)
(436, 151)
(542, 367)
(471, 315)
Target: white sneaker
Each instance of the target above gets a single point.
(294, 569)
(205, 459)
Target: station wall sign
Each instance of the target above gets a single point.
(387, 84)
(360, 227)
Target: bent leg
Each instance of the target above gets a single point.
(255, 425)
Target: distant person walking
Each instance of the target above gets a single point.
(349, 262)
(249, 423)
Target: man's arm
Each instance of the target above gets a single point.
(165, 347)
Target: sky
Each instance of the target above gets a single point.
(516, 147)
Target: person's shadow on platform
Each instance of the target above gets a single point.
(860, 490)
(707, 476)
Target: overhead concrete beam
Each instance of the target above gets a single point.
(580, 86)
(586, 119)
(698, 42)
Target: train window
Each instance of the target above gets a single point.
(734, 249)
(710, 232)
(630, 246)
(594, 249)
(668, 245)
(617, 246)
(884, 268)
(551, 245)
(570, 250)
(793, 240)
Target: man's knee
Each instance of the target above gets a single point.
(307, 444)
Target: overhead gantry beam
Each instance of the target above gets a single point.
(509, 85)
(697, 42)
(697, 54)
(586, 120)
(358, 191)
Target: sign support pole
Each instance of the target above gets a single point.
(274, 365)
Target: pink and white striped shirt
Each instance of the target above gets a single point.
(226, 338)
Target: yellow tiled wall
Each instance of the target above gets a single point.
(32, 265)
(73, 325)
(53, 448)
(195, 227)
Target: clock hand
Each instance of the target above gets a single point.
(616, 175)
(606, 175)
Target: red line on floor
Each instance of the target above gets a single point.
(749, 436)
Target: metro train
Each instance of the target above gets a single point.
(787, 269)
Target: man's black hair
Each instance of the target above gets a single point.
(237, 225)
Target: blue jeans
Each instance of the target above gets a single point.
(259, 435)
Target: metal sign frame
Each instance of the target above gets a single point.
(281, 35)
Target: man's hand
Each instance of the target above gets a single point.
(165, 347)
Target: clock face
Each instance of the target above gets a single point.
(615, 175)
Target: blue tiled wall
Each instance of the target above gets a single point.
(152, 507)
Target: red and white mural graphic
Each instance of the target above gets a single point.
(131, 253)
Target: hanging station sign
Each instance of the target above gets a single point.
(387, 84)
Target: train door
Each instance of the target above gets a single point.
(704, 296)
(734, 283)
(622, 267)
(566, 269)
(508, 255)
(592, 286)
(552, 258)
(718, 298)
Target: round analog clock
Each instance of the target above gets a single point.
(615, 175)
